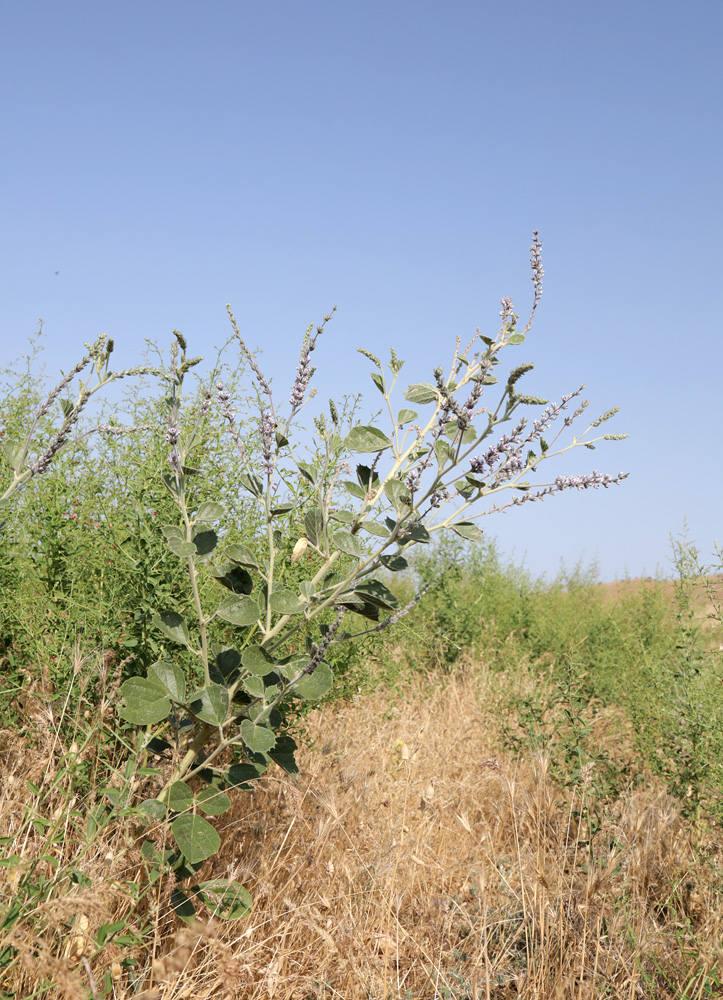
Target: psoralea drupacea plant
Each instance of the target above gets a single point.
(428, 470)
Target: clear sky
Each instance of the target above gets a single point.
(393, 158)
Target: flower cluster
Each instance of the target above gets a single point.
(268, 426)
(592, 479)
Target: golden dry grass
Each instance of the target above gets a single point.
(413, 858)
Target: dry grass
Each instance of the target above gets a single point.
(411, 859)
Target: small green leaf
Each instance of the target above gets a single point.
(443, 451)
(238, 610)
(377, 593)
(516, 338)
(224, 668)
(466, 529)
(308, 471)
(257, 738)
(210, 510)
(196, 838)
(348, 543)
(252, 483)
(283, 753)
(356, 491)
(227, 900)
(285, 602)
(213, 801)
(239, 775)
(257, 661)
(210, 704)
(406, 416)
(183, 906)
(153, 809)
(367, 439)
(368, 478)
(242, 556)
(394, 563)
(375, 529)
(205, 541)
(421, 393)
(316, 685)
(180, 797)
(144, 701)
(253, 685)
(234, 578)
(379, 382)
(169, 677)
(181, 548)
(173, 626)
(282, 508)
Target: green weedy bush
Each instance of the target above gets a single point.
(321, 538)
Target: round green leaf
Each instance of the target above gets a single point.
(238, 610)
(210, 510)
(227, 900)
(173, 626)
(210, 704)
(315, 685)
(367, 439)
(406, 416)
(153, 809)
(348, 543)
(259, 739)
(257, 660)
(144, 702)
(180, 797)
(285, 602)
(169, 677)
(421, 393)
(213, 801)
(196, 838)
(242, 556)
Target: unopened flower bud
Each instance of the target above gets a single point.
(299, 549)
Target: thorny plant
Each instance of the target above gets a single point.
(212, 711)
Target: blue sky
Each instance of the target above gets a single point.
(392, 159)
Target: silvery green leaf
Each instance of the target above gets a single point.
(347, 543)
(145, 702)
(181, 548)
(308, 471)
(285, 602)
(253, 685)
(210, 704)
(252, 483)
(179, 797)
(466, 529)
(398, 493)
(227, 900)
(210, 510)
(213, 801)
(238, 610)
(282, 508)
(153, 809)
(379, 382)
(170, 678)
(173, 627)
(241, 555)
(406, 416)
(316, 685)
(345, 516)
(196, 838)
(443, 451)
(257, 738)
(375, 529)
(356, 491)
(516, 338)
(367, 439)
(421, 393)
(314, 526)
(257, 661)
(13, 451)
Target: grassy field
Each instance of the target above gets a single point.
(485, 809)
